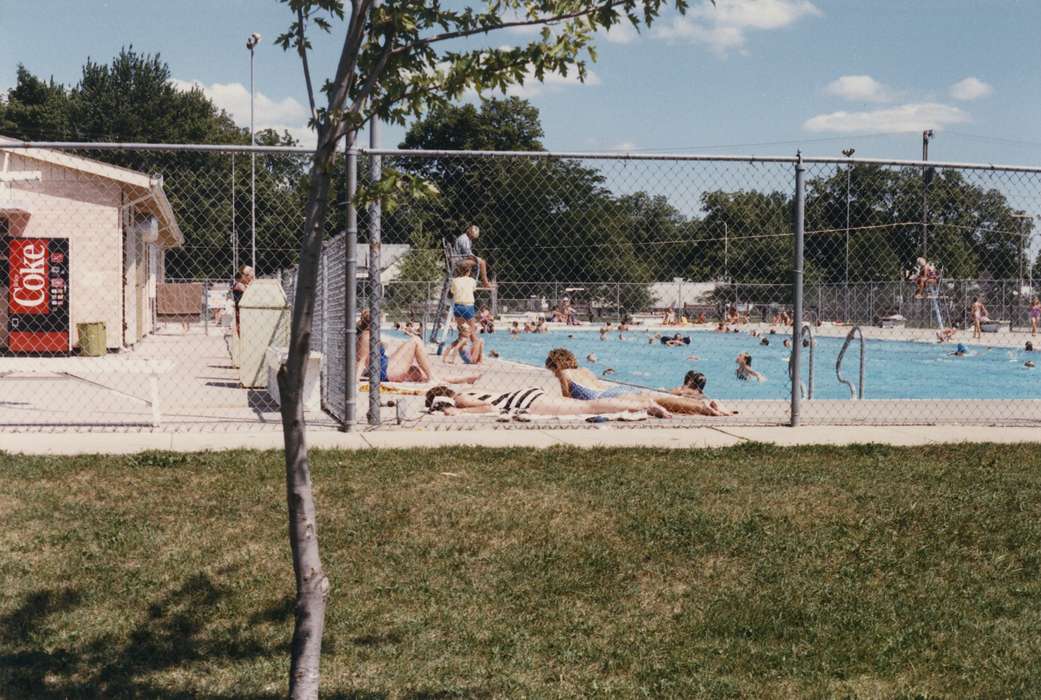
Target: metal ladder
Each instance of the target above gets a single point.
(444, 309)
(854, 391)
(805, 389)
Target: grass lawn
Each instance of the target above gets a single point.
(746, 572)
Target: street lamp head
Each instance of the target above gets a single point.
(252, 41)
(927, 134)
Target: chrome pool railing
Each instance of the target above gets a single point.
(805, 389)
(858, 390)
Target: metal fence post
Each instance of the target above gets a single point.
(350, 291)
(800, 212)
(375, 292)
(425, 323)
(495, 295)
(323, 272)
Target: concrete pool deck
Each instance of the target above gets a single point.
(674, 438)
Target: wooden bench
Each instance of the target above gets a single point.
(79, 368)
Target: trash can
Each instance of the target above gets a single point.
(263, 322)
(93, 339)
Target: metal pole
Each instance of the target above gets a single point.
(375, 172)
(234, 232)
(797, 261)
(252, 170)
(926, 135)
(350, 292)
(1019, 288)
(848, 170)
(726, 252)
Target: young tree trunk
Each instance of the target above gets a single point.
(312, 585)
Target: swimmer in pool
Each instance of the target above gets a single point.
(744, 369)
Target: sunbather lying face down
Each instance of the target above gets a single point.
(533, 400)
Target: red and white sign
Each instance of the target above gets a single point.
(38, 304)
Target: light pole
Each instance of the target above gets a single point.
(1023, 217)
(926, 135)
(251, 44)
(848, 152)
(726, 252)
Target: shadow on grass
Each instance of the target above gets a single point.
(38, 661)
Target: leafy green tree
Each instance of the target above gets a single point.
(545, 223)
(132, 99)
(37, 109)
(399, 60)
(420, 273)
(973, 232)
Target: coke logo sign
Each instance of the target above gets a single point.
(28, 274)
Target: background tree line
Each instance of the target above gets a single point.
(544, 221)
(132, 99)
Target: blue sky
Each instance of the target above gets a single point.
(750, 76)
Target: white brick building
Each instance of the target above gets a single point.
(119, 224)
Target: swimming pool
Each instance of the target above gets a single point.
(893, 369)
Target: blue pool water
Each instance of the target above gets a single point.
(894, 369)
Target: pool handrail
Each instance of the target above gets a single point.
(858, 390)
(806, 390)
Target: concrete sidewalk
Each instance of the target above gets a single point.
(678, 438)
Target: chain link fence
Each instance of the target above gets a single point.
(652, 285)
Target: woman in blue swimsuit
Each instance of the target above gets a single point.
(579, 383)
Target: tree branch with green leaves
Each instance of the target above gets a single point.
(398, 61)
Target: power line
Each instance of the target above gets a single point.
(795, 142)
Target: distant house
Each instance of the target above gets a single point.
(118, 225)
(680, 293)
(391, 255)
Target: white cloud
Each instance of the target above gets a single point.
(859, 88)
(621, 33)
(282, 115)
(970, 89)
(723, 27)
(902, 119)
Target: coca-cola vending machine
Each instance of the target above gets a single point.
(38, 294)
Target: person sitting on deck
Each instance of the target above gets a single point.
(694, 387)
(408, 362)
(472, 356)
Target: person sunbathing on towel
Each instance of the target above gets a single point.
(579, 383)
(533, 400)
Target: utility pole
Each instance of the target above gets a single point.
(926, 135)
(1023, 218)
(251, 44)
(848, 152)
(726, 252)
